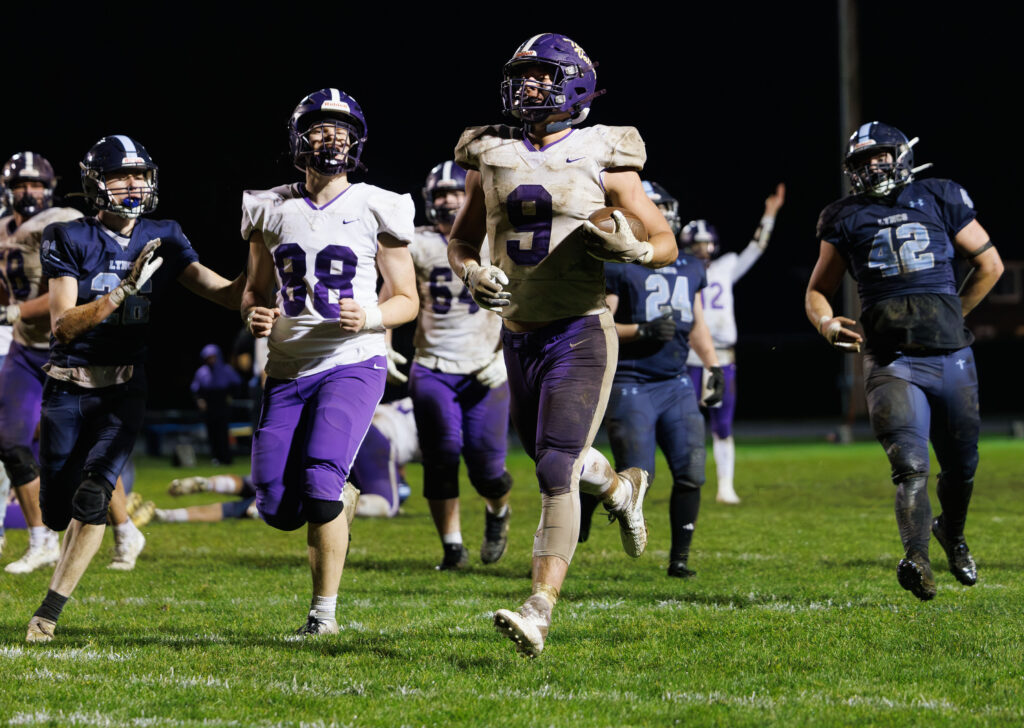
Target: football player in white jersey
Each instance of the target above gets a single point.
(458, 383)
(700, 239)
(28, 183)
(321, 243)
(530, 190)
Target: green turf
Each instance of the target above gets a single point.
(795, 618)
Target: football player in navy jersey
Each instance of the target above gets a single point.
(104, 273)
(658, 318)
(899, 238)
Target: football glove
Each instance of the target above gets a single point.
(715, 387)
(662, 328)
(9, 315)
(494, 374)
(620, 246)
(486, 285)
(142, 270)
(395, 360)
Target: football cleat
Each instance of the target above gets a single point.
(455, 557)
(727, 496)
(40, 630)
(527, 627)
(315, 626)
(36, 557)
(632, 525)
(187, 486)
(132, 502)
(961, 563)
(143, 514)
(915, 575)
(679, 569)
(495, 536)
(126, 552)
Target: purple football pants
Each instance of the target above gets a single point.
(559, 377)
(721, 417)
(309, 432)
(21, 397)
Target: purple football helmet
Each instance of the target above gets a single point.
(22, 167)
(668, 204)
(699, 238)
(327, 111)
(573, 80)
(112, 154)
(880, 178)
(445, 177)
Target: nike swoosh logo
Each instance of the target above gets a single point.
(377, 367)
(574, 344)
(570, 160)
(346, 222)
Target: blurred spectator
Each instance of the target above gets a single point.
(212, 386)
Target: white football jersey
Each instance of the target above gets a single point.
(322, 255)
(717, 299)
(396, 422)
(453, 334)
(537, 200)
(23, 273)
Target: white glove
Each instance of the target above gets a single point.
(494, 374)
(9, 315)
(394, 361)
(485, 285)
(142, 270)
(620, 246)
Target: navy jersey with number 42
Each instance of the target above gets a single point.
(899, 249)
(99, 260)
(645, 295)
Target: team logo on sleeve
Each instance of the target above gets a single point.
(967, 198)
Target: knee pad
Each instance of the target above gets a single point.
(494, 488)
(321, 511)
(559, 528)
(907, 460)
(555, 472)
(283, 521)
(91, 500)
(441, 480)
(21, 465)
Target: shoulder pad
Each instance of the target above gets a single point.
(625, 146)
(477, 139)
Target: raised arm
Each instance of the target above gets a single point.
(973, 244)
(759, 243)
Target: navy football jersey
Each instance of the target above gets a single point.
(644, 295)
(99, 259)
(899, 249)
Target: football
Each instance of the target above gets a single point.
(603, 219)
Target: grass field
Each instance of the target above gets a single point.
(795, 618)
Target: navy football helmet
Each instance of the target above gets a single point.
(113, 154)
(573, 80)
(880, 178)
(445, 177)
(699, 238)
(668, 204)
(23, 167)
(327, 111)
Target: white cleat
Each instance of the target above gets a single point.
(314, 626)
(36, 557)
(40, 630)
(632, 525)
(143, 514)
(727, 497)
(187, 486)
(127, 552)
(527, 627)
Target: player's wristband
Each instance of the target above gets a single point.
(821, 322)
(374, 319)
(767, 222)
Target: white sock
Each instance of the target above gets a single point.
(223, 484)
(171, 515)
(37, 535)
(124, 531)
(499, 514)
(725, 460)
(452, 538)
(323, 607)
(598, 475)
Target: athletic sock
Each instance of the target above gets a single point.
(323, 608)
(683, 508)
(38, 535)
(52, 606)
(124, 531)
(223, 484)
(171, 515)
(452, 539)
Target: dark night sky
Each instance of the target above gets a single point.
(729, 101)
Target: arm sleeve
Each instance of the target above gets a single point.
(395, 215)
(252, 214)
(58, 255)
(177, 251)
(745, 260)
(957, 207)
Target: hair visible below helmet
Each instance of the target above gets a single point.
(573, 80)
(113, 154)
(880, 178)
(27, 166)
(325, 110)
(668, 204)
(445, 177)
(700, 239)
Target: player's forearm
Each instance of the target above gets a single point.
(223, 292)
(665, 249)
(36, 307)
(817, 307)
(984, 278)
(703, 346)
(78, 320)
(627, 332)
(459, 253)
(401, 308)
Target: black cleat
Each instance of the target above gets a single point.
(961, 563)
(915, 575)
(680, 569)
(495, 536)
(455, 557)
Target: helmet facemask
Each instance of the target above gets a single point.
(131, 202)
(30, 202)
(879, 178)
(329, 145)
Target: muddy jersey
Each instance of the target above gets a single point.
(899, 249)
(717, 298)
(22, 271)
(453, 334)
(322, 255)
(537, 200)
